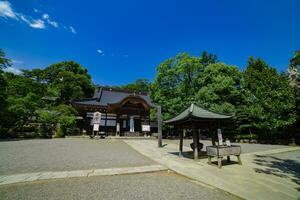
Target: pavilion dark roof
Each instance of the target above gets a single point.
(104, 96)
(196, 112)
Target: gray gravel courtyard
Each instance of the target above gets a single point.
(162, 185)
(66, 154)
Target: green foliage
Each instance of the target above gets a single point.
(20, 85)
(23, 108)
(70, 79)
(219, 88)
(61, 119)
(4, 63)
(140, 85)
(268, 100)
(294, 78)
(186, 78)
(40, 98)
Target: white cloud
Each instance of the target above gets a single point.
(100, 51)
(45, 16)
(72, 29)
(6, 10)
(125, 56)
(51, 22)
(13, 70)
(37, 23)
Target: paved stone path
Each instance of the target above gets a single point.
(245, 181)
(17, 178)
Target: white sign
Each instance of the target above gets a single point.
(96, 118)
(146, 128)
(220, 136)
(96, 127)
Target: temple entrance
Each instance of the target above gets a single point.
(131, 113)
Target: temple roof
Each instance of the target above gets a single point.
(105, 96)
(195, 112)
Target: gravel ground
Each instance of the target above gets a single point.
(66, 154)
(162, 185)
(246, 148)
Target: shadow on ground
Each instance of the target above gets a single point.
(283, 168)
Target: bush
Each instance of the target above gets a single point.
(44, 131)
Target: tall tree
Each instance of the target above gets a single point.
(268, 100)
(219, 89)
(294, 78)
(140, 85)
(4, 63)
(67, 80)
(178, 81)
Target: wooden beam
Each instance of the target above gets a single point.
(159, 126)
(195, 141)
(180, 142)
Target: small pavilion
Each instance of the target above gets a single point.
(195, 117)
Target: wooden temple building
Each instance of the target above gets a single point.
(123, 112)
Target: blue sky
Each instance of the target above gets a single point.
(121, 41)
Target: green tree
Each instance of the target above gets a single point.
(4, 63)
(59, 120)
(178, 80)
(140, 85)
(71, 79)
(268, 100)
(68, 80)
(20, 85)
(23, 109)
(294, 78)
(219, 89)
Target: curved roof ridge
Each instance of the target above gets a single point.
(196, 112)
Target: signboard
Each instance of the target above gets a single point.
(118, 127)
(96, 118)
(146, 128)
(96, 127)
(220, 137)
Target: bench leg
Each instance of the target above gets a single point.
(228, 159)
(220, 162)
(209, 160)
(239, 159)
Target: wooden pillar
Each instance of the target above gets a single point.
(180, 142)
(195, 141)
(211, 133)
(159, 126)
(105, 123)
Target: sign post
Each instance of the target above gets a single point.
(220, 137)
(96, 122)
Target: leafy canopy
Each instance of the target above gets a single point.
(268, 100)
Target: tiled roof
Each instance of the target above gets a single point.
(105, 96)
(196, 112)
